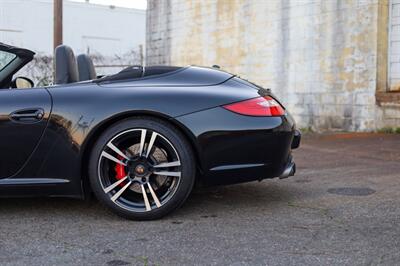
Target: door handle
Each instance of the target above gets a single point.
(27, 115)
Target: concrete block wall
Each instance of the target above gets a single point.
(319, 57)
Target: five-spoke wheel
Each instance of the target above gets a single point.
(143, 169)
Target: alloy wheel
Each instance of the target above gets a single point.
(139, 170)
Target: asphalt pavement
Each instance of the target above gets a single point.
(341, 208)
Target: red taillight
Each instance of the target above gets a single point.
(261, 106)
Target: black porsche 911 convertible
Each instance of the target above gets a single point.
(138, 139)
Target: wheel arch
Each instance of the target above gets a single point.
(96, 132)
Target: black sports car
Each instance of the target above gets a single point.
(138, 139)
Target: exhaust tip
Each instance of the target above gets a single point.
(290, 170)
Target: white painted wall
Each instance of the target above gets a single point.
(87, 27)
(320, 57)
(394, 45)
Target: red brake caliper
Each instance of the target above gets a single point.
(120, 170)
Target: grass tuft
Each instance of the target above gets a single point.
(306, 130)
(389, 130)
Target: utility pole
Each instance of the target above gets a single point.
(58, 22)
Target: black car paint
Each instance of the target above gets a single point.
(229, 147)
(242, 148)
(18, 138)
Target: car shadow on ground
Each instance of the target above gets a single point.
(202, 201)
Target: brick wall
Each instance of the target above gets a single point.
(321, 58)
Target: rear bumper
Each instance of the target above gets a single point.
(296, 139)
(290, 168)
(232, 148)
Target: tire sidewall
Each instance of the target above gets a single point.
(181, 146)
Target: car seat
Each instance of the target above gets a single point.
(85, 68)
(66, 67)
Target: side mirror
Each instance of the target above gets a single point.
(22, 83)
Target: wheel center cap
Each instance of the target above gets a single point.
(140, 169)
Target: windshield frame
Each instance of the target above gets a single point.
(22, 57)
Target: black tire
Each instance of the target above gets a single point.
(130, 208)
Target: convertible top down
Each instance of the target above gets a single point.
(138, 139)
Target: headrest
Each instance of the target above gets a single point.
(66, 67)
(85, 67)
